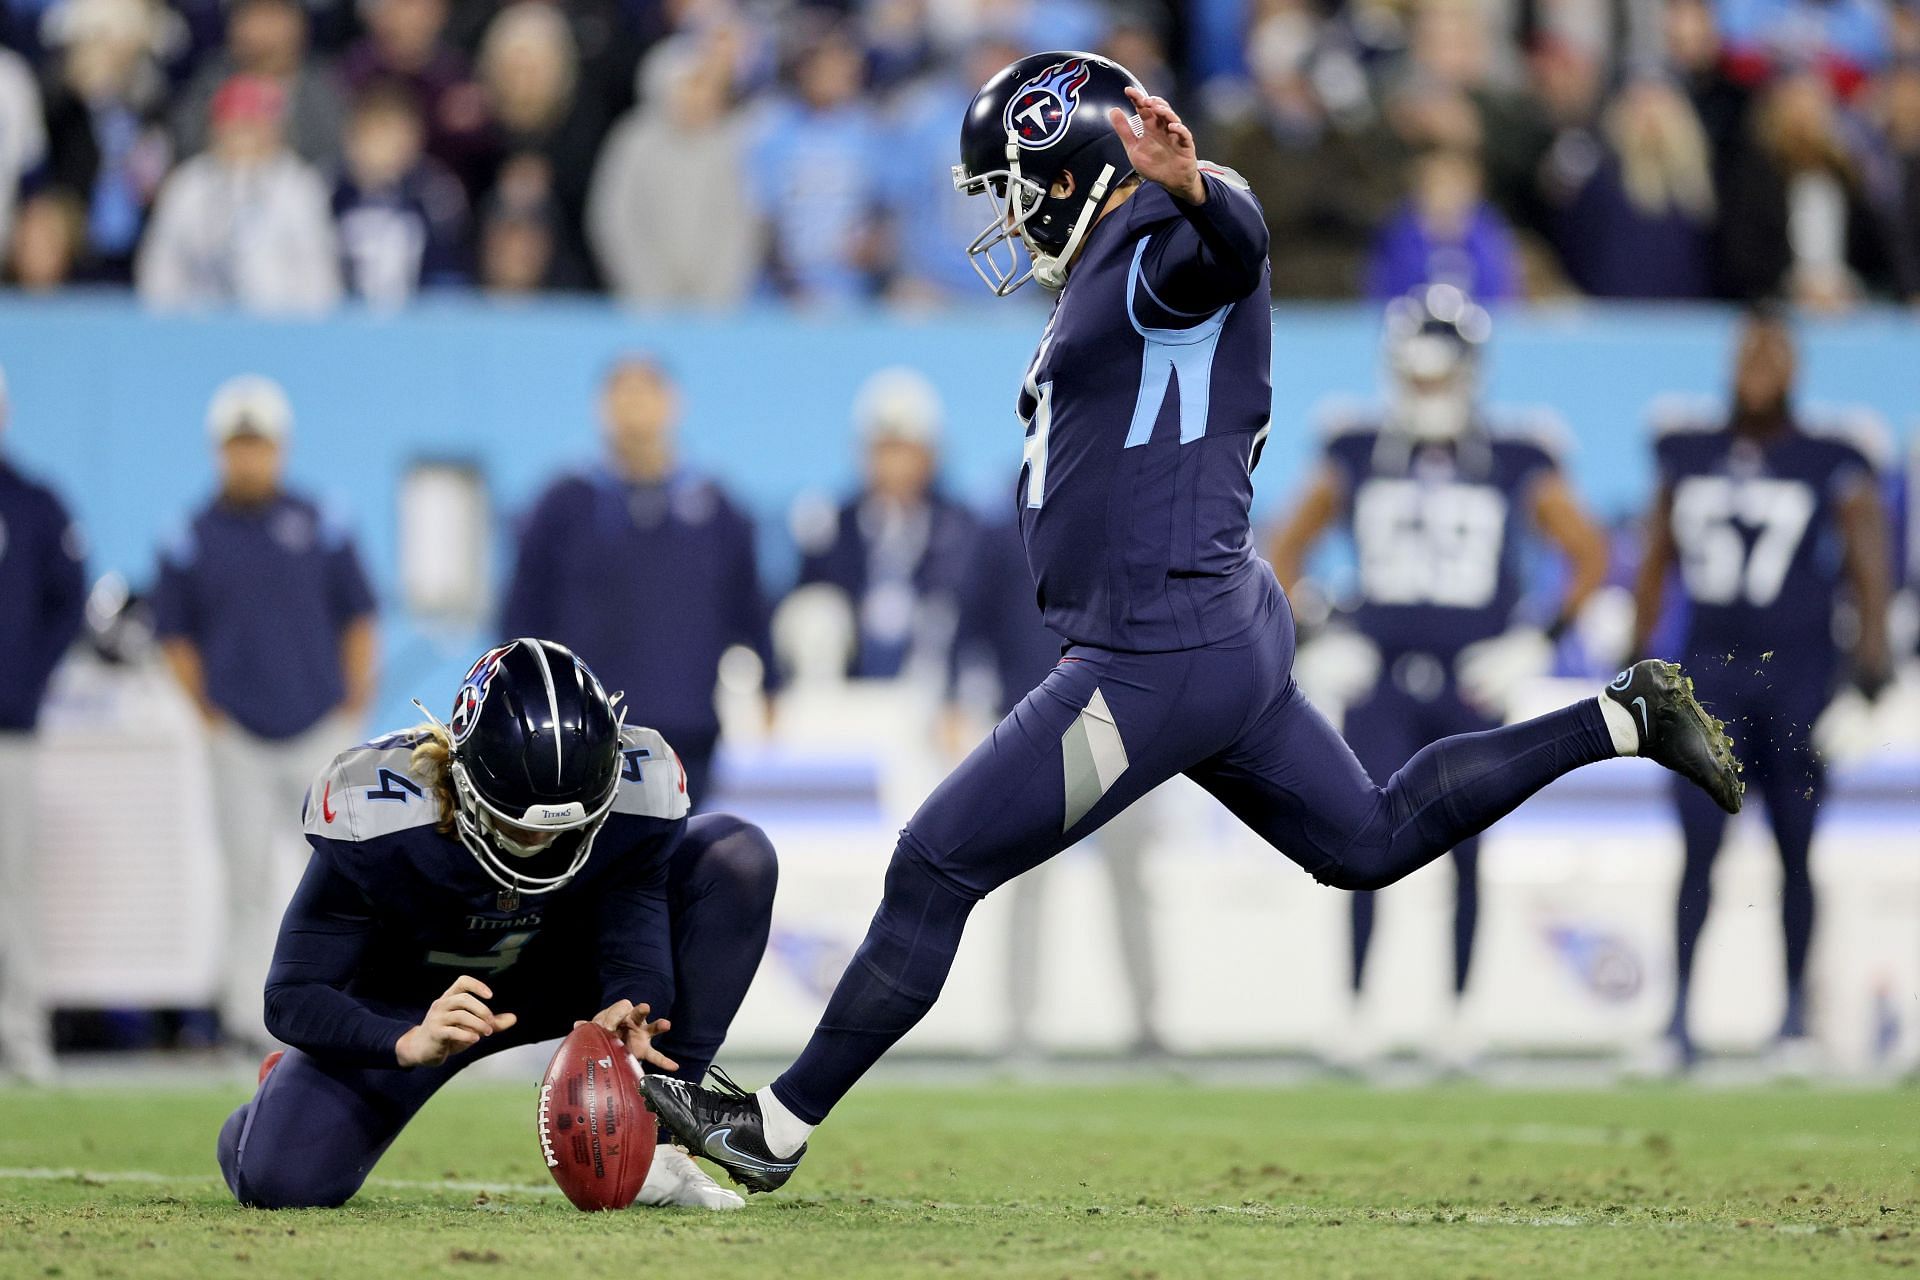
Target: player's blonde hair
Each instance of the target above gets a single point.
(432, 763)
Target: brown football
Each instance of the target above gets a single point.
(596, 1134)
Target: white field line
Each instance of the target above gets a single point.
(1409, 1217)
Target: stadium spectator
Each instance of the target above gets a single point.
(1446, 233)
(933, 223)
(646, 569)
(518, 243)
(1326, 168)
(1896, 177)
(1768, 514)
(23, 133)
(404, 42)
(105, 137)
(1795, 214)
(652, 244)
(1631, 204)
(49, 234)
(42, 594)
(267, 38)
(401, 218)
(898, 548)
(246, 222)
(544, 130)
(815, 164)
(267, 622)
(1693, 55)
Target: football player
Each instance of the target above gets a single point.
(1145, 409)
(485, 883)
(1441, 503)
(1769, 516)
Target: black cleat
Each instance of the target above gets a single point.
(1676, 731)
(724, 1125)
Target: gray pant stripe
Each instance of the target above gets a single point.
(1093, 756)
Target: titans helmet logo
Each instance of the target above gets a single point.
(473, 692)
(1039, 111)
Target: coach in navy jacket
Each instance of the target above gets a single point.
(42, 594)
(646, 570)
(898, 548)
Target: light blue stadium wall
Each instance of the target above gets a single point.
(109, 402)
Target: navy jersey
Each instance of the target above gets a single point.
(649, 584)
(999, 626)
(1439, 530)
(391, 910)
(1145, 408)
(264, 593)
(42, 593)
(1755, 524)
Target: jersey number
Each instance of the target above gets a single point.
(501, 957)
(1429, 544)
(1711, 519)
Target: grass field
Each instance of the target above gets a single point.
(1146, 1180)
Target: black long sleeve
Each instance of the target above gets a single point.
(322, 938)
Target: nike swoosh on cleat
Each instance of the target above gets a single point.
(720, 1149)
(1640, 705)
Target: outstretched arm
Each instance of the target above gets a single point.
(1219, 254)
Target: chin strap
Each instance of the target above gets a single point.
(1050, 269)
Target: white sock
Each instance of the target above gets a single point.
(1626, 734)
(786, 1132)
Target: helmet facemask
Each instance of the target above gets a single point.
(503, 843)
(1017, 199)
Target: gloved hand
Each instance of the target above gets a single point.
(1491, 671)
(1337, 668)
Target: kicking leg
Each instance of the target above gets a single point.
(1101, 731)
(720, 891)
(1296, 783)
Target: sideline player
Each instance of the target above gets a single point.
(1769, 516)
(1441, 497)
(452, 909)
(1145, 409)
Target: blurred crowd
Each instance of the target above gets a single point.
(283, 155)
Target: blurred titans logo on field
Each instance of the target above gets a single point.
(1039, 111)
(1604, 963)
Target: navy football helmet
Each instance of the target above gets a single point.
(1041, 117)
(536, 764)
(1433, 340)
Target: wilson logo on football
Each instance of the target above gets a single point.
(1039, 111)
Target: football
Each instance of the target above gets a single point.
(596, 1134)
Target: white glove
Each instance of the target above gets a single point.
(1337, 669)
(1491, 671)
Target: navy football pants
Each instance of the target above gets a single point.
(1100, 732)
(1385, 730)
(1770, 708)
(313, 1131)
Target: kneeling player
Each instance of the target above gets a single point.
(452, 909)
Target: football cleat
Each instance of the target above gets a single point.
(674, 1179)
(724, 1125)
(1676, 731)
